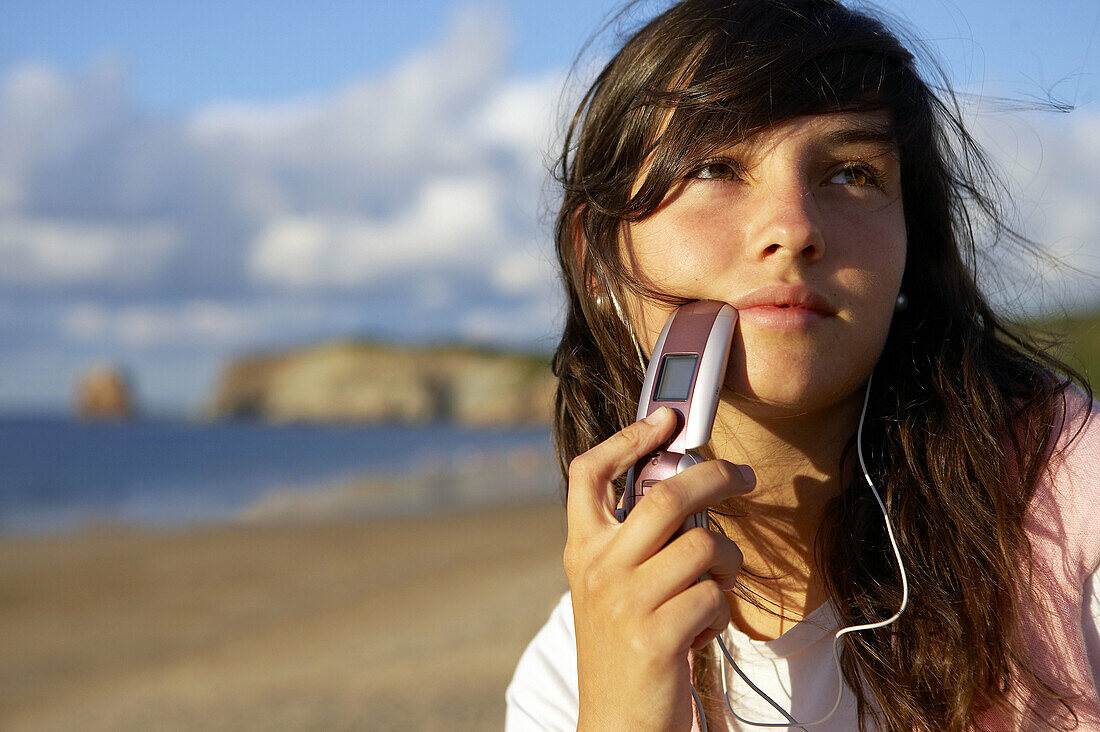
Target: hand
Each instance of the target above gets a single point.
(639, 605)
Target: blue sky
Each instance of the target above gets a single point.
(187, 53)
(183, 182)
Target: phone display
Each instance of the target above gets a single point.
(674, 381)
(685, 373)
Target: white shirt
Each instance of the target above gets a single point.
(796, 669)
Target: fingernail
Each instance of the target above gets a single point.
(748, 475)
(656, 417)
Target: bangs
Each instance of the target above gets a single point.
(724, 91)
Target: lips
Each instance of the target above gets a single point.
(783, 307)
(797, 297)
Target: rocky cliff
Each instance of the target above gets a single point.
(103, 392)
(357, 381)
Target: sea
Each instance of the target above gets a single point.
(59, 474)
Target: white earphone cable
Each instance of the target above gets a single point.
(622, 319)
(840, 633)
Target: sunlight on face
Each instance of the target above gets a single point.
(801, 228)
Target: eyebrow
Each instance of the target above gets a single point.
(881, 135)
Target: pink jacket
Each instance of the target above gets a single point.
(1063, 525)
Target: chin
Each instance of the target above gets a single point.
(790, 391)
(801, 372)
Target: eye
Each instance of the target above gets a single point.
(717, 170)
(860, 176)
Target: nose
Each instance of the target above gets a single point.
(785, 223)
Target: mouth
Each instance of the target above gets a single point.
(783, 307)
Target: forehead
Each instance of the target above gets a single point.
(826, 131)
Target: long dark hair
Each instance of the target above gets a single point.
(964, 407)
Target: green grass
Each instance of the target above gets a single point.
(1077, 341)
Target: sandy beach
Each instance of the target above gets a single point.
(405, 623)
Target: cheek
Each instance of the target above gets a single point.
(677, 259)
(805, 373)
(649, 320)
(867, 284)
(869, 261)
(680, 252)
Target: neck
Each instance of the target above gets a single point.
(797, 463)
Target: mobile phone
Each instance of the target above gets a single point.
(685, 373)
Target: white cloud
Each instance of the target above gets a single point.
(1052, 164)
(393, 123)
(47, 118)
(534, 322)
(521, 114)
(45, 252)
(522, 272)
(197, 322)
(451, 220)
(434, 159)
(194, 323)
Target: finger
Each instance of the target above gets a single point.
(694, 617)
(658, 516)
(687, 558)
(590, 500)
(715, 627)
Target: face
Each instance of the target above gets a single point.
(801, 229)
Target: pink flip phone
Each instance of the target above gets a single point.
(685, 373)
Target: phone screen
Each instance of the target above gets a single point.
(674, 381)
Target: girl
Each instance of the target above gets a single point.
(784, 156)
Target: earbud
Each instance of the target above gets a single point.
(602, 305)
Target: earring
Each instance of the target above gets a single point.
(600, 302)
(901, 303)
